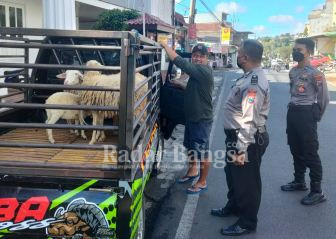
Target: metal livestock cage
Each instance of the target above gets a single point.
(24, 149)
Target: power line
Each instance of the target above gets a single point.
(210, 11)
(184, 6)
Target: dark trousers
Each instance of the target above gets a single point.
(244, 182)
(303, 142)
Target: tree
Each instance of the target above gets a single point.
(305, 32)
(115, 19)
(285, 52)
(278, 46)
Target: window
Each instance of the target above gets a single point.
(2, 16)
(11, 16)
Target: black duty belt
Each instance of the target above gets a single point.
(234, 132)
(294, 107)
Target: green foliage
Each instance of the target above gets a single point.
(278, 46)
(115, 19)
(305, 32)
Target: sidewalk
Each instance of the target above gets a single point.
(331, 79)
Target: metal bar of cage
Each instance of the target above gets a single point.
(27, 93)
(139, 132)
(139, 86)
(142, 53)
(143, 126)
(142, 68)
(59, 67)
(58, 46)
(55, 53)
(56, 87)
(12, 56)
(56, 106)
(99, 53)
(145, 47)
(137, 119)
(154, 108)
(154, 96)
(76, 51)
(127, 76)
(55, 126)
(54, 146)
(86, 166)
(60, 33)
(11, 94)
(12, 75)
(138, 103)
(144, 82)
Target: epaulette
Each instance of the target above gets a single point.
(254, 80)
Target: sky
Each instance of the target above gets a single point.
(263, 17)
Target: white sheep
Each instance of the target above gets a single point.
(106, 98)
(73, 78)
(53, 115)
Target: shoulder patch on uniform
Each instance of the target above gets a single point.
(251, 95)
(254, 80)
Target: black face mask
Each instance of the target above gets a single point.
(297, 56)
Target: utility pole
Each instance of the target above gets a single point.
(173, 21)
(192, 12)
(143, 19)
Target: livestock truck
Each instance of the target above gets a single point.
(71, 189)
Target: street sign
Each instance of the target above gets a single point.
(226, 35)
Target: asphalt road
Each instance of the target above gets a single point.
(281, 215)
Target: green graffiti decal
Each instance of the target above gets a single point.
(5, 231)
(58, 201)
(110, 210)
(137, 193)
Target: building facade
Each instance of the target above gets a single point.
(73, 14)
(322, 28)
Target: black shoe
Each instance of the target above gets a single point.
(313, 198)
(235, 230)
(294, 186)
(222, 212)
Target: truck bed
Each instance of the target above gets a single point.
(21, 158)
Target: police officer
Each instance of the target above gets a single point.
(245, 113)
(309, 99)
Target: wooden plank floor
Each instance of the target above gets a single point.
(54, 156)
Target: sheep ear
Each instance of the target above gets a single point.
(81, 78)
(61, 76)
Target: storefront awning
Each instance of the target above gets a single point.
(152, 24)
(325, 34)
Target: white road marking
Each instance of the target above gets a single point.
(187, 218)
(332, 102)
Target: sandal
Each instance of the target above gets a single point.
(187, 178)
(193, 190)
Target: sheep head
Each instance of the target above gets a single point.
(71, 77)
(95, 64)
